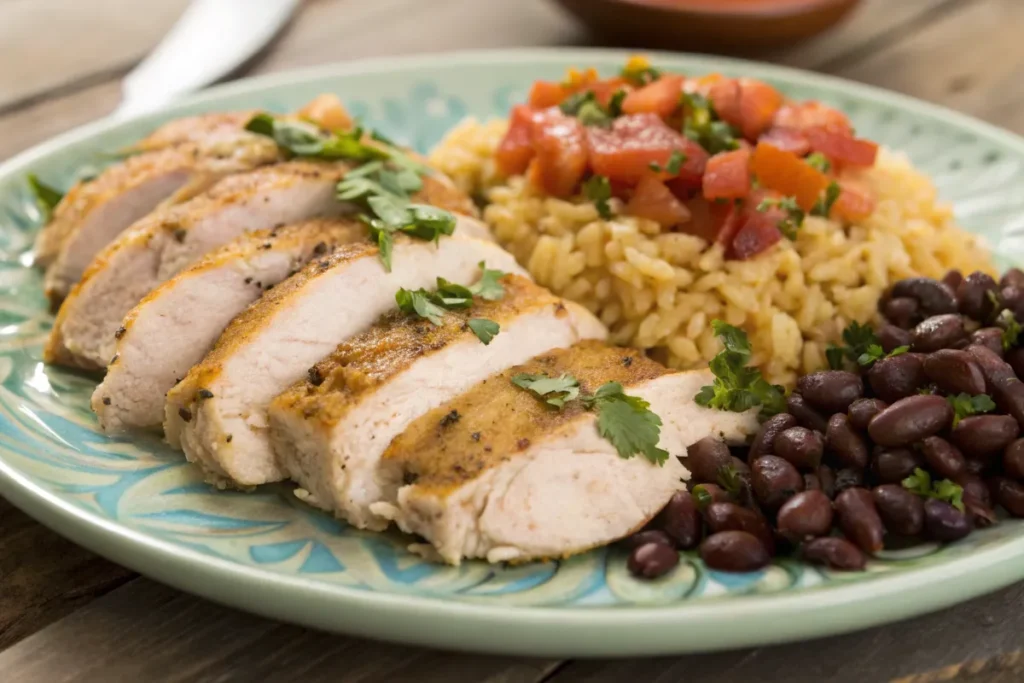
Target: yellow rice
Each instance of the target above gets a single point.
(660, 291)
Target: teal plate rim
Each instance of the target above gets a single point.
(535, 631)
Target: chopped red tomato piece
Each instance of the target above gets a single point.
(854, 202)
(711, 221)
(702, 84)
(724, 95)
(787, 173)
(727, 175)
(757, 107)
(755, 231)
(805, 115)
(842, 148)
(625, 151)
(605, 90)
(516, 149)
(789, 140)
(660, 97)
(654, 201)
(546, 94)
(560, 153)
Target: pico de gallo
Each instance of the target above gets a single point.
(728, 159)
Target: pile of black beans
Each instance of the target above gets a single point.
(825, 480)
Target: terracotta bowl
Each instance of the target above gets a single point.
(709, 25)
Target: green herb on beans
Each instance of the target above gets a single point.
(484, 329)
(672, 166)
(794, 219)
(702, 125)
(46, 197)
(824, 205)
(701, 496)
(920, 483)
(303, 139)
(819, 161)
(641, 76)
(859, 342)
(875, 353)
(738, 387)
(1011, 328)
(729, 479)
(489, 285)
(965, 405)
(598, 189)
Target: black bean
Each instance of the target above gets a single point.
(954, 372)
(977, 499)
(859, 519)
(897, 377)
(847, 478)
(706, 458)
(939, 332)
(651, 560)
(1001, 381)
(766, 433)
(1012, 277)
(863, 409)
(833, 552)
(801, 446)
(1013, 460)
(731, 517)
(648, 536)
(1010, 398)
(774, 480)
(910, 419)
(681, 520)
(812, 482)
(935, 297)
(974, 296)
(1015, 357)
(952, 279)
(903, 312)
(827, 477)
(734, 551)
(845, 443)
(943, 522)
(943, 458)
(805, 415)
(830, 391)
(806, 514)
(989, 337)
(892, 337)
(1012, 297)
(901, 511)
(1009, 494)
(979, 436)
(893, 465)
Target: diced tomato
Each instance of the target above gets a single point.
(560, 153)
(805, 115)
(789, 140)
(702, 84)
(654, 201)
(711, 221)
(854, 203)
(758, 104)
(606, 89)
(727, 175)
(626, 150)
(546, 94)
(758, 233)
(516, 149)
(660, 97)
(842, 148)
(724, 95)
(787, 173)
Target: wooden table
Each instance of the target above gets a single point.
(67, 615)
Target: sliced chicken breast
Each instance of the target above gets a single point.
(100, 210)
(514, 479)
(329, 430)
(177, 323)
(193, 128)
(218, 413)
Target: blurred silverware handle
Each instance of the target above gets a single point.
(212, 38)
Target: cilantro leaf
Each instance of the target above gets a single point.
(627, 423)
(302, 139)
(819, 161)
(701, 496)
(824, 205)
(1011, 328)
(736, 387)
(572, 104)
(640, 75)
(452, 296)
(729, 479)
(920, 483)
(860, 347)
(702, 125)
(875, 352)
(591, 114)
(429, 222)
(489, 285)
(835, 354)
(484, 329)
(794, 219)
(672, 166)
(419, 302)
(554, 391)
(385, 243)
(46, 197)
(615, 103)
(965, 405)
(598, 189)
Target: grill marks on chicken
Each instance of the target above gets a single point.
(330, 429)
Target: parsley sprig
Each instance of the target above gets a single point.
(672, 166)
(819, 161)
(965, 405)
(303, 139)
(738, 387)
(920, 482)
(824, 205)
(625, 421)
(1011, 328)
(875, 353)
(585, 107)
(859, 341)
(794, 219)
(598, 189)
(46, 197)
(641, 73)
(702, 125)
(450, 296)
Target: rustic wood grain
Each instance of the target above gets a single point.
(148, 632)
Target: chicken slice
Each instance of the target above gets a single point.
(100, 210)
(515, 479)
(218, 413)
(193, 128)
(330, 430)
(165, 335)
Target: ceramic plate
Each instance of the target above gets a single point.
(138, 503)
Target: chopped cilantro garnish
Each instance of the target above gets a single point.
(591, 114)
(598, 189)
(875, 352)
(834, 355)
(585, 107)
(824, 205)
(737, 387)
(701, 496)
(484, 329)
(675, 162)
(46, 197)
(641, 75)
(729, 479)
(615, 103)
(1011, 328)
(306, 140)
(920, 483)
(702, 125)
(819, 161)
(965, 405)
(555, 391)
(489, 286)
(421, 303)
(862, 347)
(794, 219)
(453, 296)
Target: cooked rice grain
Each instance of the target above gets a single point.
(660, 291)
